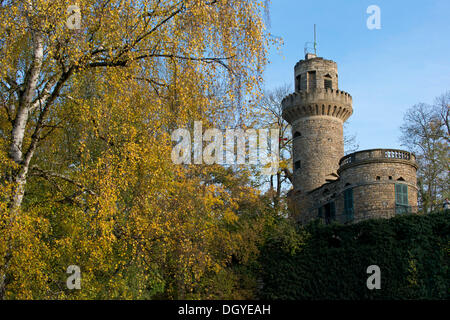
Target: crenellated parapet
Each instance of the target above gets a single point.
(318, 101)
(314, 64)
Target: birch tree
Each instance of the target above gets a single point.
(89, 95)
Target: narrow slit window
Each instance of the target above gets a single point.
(297, 165)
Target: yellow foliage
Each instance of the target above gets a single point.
(102, 192)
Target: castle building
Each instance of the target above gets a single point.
(376, 183)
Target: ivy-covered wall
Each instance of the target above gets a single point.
(331, 261)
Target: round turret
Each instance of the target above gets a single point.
(316, 111)
(383, 182)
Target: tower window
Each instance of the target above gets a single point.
(378, 178)
(297, 164)
(311, 79)
(401, 198)
(297, 134)
(298, 81)
(328, 83)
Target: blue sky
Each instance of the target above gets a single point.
(386, 71)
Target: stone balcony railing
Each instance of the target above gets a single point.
(377, 155)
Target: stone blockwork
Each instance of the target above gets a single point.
(317, 149)
(373, 175)
(316, 115)
(376, 183)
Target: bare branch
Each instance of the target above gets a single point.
(36, 171)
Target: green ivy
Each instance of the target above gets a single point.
(412, 252)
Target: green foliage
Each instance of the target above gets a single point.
(411, 251)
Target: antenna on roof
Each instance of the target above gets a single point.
(310, 46)
(315, 42)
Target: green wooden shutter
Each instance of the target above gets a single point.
(348, 203)
(401, 194)
(398, 194)
(405, 194)
(401, 198)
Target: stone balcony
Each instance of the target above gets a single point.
(377, 155)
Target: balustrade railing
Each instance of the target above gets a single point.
(376, 154)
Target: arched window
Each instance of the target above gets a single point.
(400, 179)
(297, 134)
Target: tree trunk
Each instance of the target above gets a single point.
(20, 122)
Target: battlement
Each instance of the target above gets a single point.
(318, 101)
(315, 61)
(377, 155)
(315, 72)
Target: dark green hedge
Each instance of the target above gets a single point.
(412, 252)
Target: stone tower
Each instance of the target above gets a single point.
(375, 183)
(316, 111)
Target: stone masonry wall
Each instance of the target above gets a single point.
(318, 148)
(374, 187)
